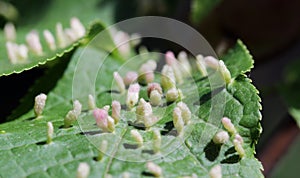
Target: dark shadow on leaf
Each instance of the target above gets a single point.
(142, 83)
(168, 103)
(112, 91)
(231, 160)
(124, 107)
(147, 174)
(85, 111)
(206, 97)
(130, 146)
(200, 79)
(41, 143)
(138, 126)
(168, 129)
(30, 119)
(151, 152)
(96, 132)
(63, 127)
(164, 105)
(212, 151)
(230, 151)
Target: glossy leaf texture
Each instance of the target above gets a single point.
(25, 153)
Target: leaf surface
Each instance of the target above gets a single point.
(25, 153)
(56, 11)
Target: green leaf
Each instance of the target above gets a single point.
(8, 11)
(56, 11)
(43, 84)
(201, 8)
(25, 153)
(243, 60)
(290, 89)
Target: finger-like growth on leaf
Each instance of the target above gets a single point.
(77, 27)
(137, 137)
(22, 53)
(132, 95)
(144, 112)
(146, 72)
(238, 146)
(154, 169)
(33, 41)
(73, 114)
(103, 148)
(103, 121)
(16, 53)
(239, 138)
(77, 107)
(116, 111)
(10, 32)
(221, 137)
(50, 131)
(170, 58)
(201, 65)
(130, 77)
(154, 86)
(155, 98)
(61, 36)
(167, 78)
(224, 71)
(121, 40)
(50, 40)
(185, 112)
(12, 50)
(70, 118)
(119, 81)
(39, 104)
(186, 66)
(176, 66)
(215, 172)
(91, 102)
(156, 141)
(71, 35)
(83, 170)
(143, 50)
(106, 108)
(126, 175)
(111, 124)
(228, 125)
(211, 62)
(151, 65)
(177, 120)
(135, 39)
(172, 95)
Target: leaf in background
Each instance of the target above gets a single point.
(288, 166)
(201, 8)
(44, 84)
(290, 90)
(56, 11)
(24, 152)
(8, 11)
